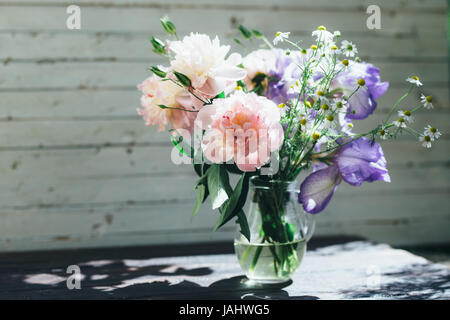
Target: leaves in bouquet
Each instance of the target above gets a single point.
(158, 72)
(183, 79)
(218, 184)
(201, 190)
(158, 46)
(242, 220)
(235, 203)
(168, 26)
(245, 32)
(178, 142)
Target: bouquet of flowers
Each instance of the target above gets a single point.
(266, 118)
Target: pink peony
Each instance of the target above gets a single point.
(156, 92)
(244, 126)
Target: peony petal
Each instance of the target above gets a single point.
(234, 59)
(230, 72)
(318, 188)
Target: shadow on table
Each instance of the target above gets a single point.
(117, 280)
(234, 288)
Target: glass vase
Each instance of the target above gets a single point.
(279, 230)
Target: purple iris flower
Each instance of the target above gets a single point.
(362, 103)
(355, 162)
(286, 68)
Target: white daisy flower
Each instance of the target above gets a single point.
(294, 87)
(348, 48)
(337, 34)
(280, 37)
(329, 122)
(426, 141)
(427, 101)
(340, 105)
(384, 133)
(406, 115)
(432, 132)
(400, 122)
(414, 80)
(325, 108)
(322, 35)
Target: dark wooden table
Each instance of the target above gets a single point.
(332, 269)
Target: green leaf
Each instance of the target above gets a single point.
(220, 95)
(158, 46)
(242, 220)
(199, 199)
(227, 210)
(184, 80)
(158, 72)
(177, 143)
(257, 34)
(245, 32)
(168, 26)
(218, 184)
(237, 41)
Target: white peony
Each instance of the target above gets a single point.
(203, 61)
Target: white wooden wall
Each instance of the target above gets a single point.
(78, 168)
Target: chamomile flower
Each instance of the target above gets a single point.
(294, 87)
(325, 109)
(321, 96)
(432, 132)
(348, 49)
(383, 133)
(400, 122)
(426, 141)
(415, 80)
(337, 34)
(340, 105)
(329, 121)
(280, 37)
(427, 101)
(321, 34)
(406, 115)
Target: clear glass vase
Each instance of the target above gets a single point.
(279, 230)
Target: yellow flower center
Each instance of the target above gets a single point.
(334, 48)
(427, 138)
(308, 104)
(345, 62)
(304, 51)
(407, 113)
(325, 107)
(277, 34)
(361, 82)
(401, 120)
(415, 77)
(314, 47)
(322, 28)
(315, 136)
(382, 132)
(303, 122)
(330, 118)
(433, 129)
(429, 99)
(321, 93)
(281, 105)
(339, 104)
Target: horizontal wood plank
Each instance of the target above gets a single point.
(215, 20)
(101, 46)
